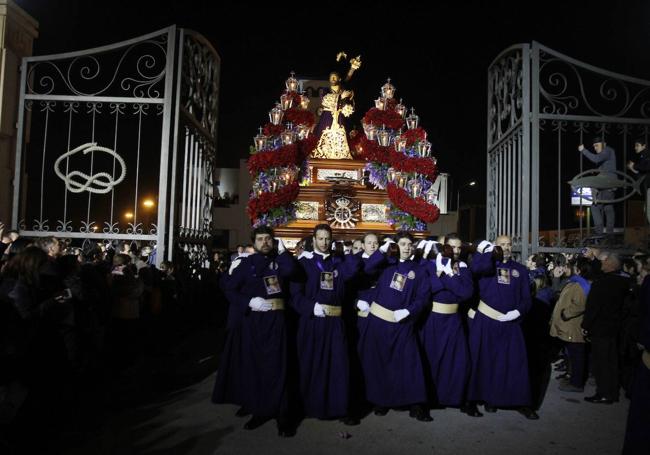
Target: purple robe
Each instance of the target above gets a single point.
(390, 352)
(499, 374)
(253, 367)
(321, 341)
(444, 339)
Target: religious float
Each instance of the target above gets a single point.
(308, 169)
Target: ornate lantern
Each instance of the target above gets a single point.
(415, 187)
(400, 109)
(391, 174)
(287, 136)
(276, 114)
(400, 144)
(260, 141)
(412, 120)
(292, 83)
(431, 195)
(424, 148)
(384, 137)
(380, 103)
(370, 130)
(387, 90)
(304, 101)
(303, 131)
(286, 101)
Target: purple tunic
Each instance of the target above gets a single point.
(444, 339)
(390, 353)
(253, 368)
(321, 341)
(499, 363)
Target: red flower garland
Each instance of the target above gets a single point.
(417, 207)
(414, 135)
(284, 156)
(378, 118)
(299, 116)
(267, 201)
(271, 130)
(371, 151)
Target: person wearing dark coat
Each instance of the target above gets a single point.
(257, 286)
(638, 419)
(390, 352)
(499, 375)
(602, 324)
(605, 158)
(322, 349)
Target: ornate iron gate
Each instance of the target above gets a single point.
(102, 143)
(541, 105)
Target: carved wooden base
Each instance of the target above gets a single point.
(331, 181)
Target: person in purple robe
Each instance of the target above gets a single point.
(322, 350)
(390, 352)
(257, 287)
(499, 376)
(442, 334)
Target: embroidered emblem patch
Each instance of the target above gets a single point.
(515, 273)
(336, 273)
(411, 275)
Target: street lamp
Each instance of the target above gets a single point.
(128, 215)
(148, 203)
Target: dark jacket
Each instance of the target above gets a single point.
(604, 308)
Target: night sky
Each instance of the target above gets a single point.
(437, 57)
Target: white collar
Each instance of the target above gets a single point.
(325, 255)
(365, 255)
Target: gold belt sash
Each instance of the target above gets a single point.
(331, 310)
(471, 313)
(444, 308)
(489, 311)
(382, 313)
(646, 359)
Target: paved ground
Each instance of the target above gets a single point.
(187, 423)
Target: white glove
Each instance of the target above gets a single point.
(318, 310)
(440, 268)
(462, 265)
(281, 247)
(427, 248)
(384, 247)
(400, 314)
(510, 316)
(259, 304)
(485, 247)
(306, 254)
(363, 305)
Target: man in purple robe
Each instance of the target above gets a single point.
(442, 334)
(499, 375)
(321, 340)
(257, 288)
(390, 353)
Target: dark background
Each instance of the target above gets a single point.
(437, 55)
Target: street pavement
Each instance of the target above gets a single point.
(185, 422)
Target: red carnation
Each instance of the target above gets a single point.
(390, 118)
(299, 116)
(271, 130)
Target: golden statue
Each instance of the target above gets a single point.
(333, 141)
